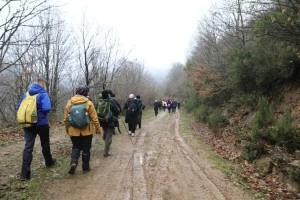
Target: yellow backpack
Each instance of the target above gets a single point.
(27, 112)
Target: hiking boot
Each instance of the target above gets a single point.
(25, 176)
(86, 170)
(132, 134)
(51, 164)
(72, 169)
(106, 154)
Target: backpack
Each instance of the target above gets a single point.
(27, 112)
(78, 116)
(104, 112)
(141, 105)
(132, 108)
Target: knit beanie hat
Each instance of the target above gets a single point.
(82, 90)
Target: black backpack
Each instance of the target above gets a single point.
(132, 108)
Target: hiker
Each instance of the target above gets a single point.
(132, 111)
(164, 105)
(117, 124)
(141, 108)
(173, 106)
(79, 117)
(178, 105)
(160, 104)
(107, 111)
(156, 106)
(40, 127)
(169, 105)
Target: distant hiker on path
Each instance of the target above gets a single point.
(141, 108)
(156, 106)
(107, 112)
(169, 105)
(132, 110)
(164, 105)
(40, 126)
(79, 117)
(174, 106)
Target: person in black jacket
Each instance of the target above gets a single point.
(156, 106)
(132, 109)
(109, 127)
(142, 106)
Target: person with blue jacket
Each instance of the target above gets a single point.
(40, 128)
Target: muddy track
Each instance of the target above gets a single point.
(160, 165)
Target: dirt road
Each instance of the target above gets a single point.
(160, 165)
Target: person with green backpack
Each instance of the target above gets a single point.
(79, 117)
(107, 112)
(32, 114)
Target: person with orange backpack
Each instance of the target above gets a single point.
(32, 113)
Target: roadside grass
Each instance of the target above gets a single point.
(34, 188)
(230, 169)
(148, 115)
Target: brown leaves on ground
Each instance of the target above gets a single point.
(11, 134)
(228, 146)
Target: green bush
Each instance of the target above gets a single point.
(216, 119)
(253, 150)
(264, 117)
(286, 133)
(242, 71)
(192, 102)
(201, 112)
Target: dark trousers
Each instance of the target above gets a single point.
(84, 144)
(132, 125)
(140, 115)
(156, 111)
(108, 131)
(30, 135)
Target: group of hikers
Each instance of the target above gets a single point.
(169, 104)
(80, 115)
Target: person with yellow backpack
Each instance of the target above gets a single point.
(32, 114)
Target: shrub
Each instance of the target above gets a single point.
(201, 112)
(192, 102)
(253, 150)
(216, 119)
(263, 120)
(286, 133)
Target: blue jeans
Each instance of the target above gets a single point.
(30, 135)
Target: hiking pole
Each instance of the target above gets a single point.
(127, 132)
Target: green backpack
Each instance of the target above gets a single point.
(103, 110)
(78, 116)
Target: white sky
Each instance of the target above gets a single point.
(157, 32)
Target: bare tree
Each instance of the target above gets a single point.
(14, 16)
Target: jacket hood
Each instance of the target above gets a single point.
(78, 99)
(36, 89)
